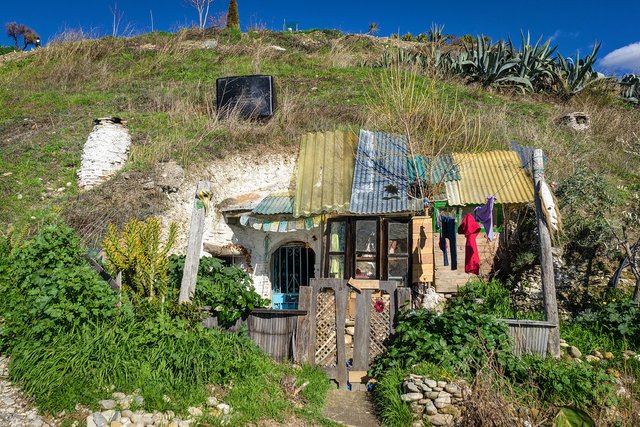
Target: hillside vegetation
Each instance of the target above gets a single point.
(164, 86)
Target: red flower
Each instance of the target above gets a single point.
(379, 306)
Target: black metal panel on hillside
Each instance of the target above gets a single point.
(247, 96)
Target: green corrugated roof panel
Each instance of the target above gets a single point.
(275, 205)
(325, 173)
(444, 169)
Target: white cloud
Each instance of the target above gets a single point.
(626, 58)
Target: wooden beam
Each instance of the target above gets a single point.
(362, 328)
(194, 245)
(546, 259)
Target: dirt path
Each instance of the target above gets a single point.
(351, 408)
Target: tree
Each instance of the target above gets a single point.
(373, 28)
(117, 18)
(233, 20)
(202, 6)
(17, 31)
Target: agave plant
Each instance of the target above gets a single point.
(493, 64)
(574, 76)
(630, 88)
(534, 62)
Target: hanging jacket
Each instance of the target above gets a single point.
(470, 228)
(484, 214)
(448, 231)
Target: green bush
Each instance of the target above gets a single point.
(460, 338)
(6, 49)
(227, 290)
(564, 383)
(486, 298)
(48, 286)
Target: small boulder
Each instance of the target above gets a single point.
(212, 401)
(441, 420)
(574, 352)
(410, 387)
(107, 404)
(411, 397)
(194, 412)
(608, 355)
(592, 359)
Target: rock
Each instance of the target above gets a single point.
(574, 352)
(210, 44)
(172, 424)
(564, 344)
(212, 401)
(417, 409)
(100, 420)
(278, 48)
(348, 339)
(138, 400)
(442, 384)
(608, 355)
(438, 389)
(592, 359)
(352, 322)
(116, 424)
(118, 395)
(425, 387)
(194, 412)
(417, 424)
(451, 410)
(597, 354)
(452, 388)
(125, 420)
(126, 413)
(169, 176)
(578, 120)
(8, 401)
(410, 397)
(441, 402)
(90, 422)
(441, 419)
(410, 387)
(224, 408)
(431, 383)
(432, 395)
(109, 415)
(430, 408)
(107, 404)
(149, 185)
(443, 394)
(351, 330)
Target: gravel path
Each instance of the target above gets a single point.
(15, 409)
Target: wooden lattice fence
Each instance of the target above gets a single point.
(321, 334)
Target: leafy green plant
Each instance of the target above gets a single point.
(573, 417)
(573, 76)
(48, 286)
(227, 290)
(139, 255)
(392, 410)
(457, 339)
(486, 297)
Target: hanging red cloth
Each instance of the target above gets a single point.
(470, 228)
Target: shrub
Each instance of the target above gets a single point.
(138, 254)
(458, 339)
(392, 410)
(48, 286)
(616, 317)
(6, 49)
(227, 290)
(490, 297)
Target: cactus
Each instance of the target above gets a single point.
(574, 76)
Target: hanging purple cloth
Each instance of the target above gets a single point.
(484, 214)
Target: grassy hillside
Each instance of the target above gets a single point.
(164, 86)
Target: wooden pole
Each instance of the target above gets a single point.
(546, 259)
(194, 246)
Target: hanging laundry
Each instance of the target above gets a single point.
(448, 231)
(484, 214)
(470, 228)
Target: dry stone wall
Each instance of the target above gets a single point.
(439, 402)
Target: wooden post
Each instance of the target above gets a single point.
(194, 246)
(546, 259)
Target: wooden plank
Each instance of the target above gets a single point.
(362, 326)
(358, 377)
(300, 354)
(546, 259)
(364, 284)
(313, 324)
(342, 294)
(194, 245)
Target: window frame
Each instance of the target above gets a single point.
(406, 255)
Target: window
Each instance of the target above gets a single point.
(366, 266)
(368, 248)
(337, 248)
(397, 250)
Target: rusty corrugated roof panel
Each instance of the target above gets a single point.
(496, 173)
(325, 173)
(380, 176)
(275, 204)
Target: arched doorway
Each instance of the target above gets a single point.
(292, 265)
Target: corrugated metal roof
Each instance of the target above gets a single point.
(274, 205)
(444, 169)
(380, 177)
(325, 173)
(497, 173)
(526, 155)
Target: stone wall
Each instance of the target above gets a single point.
(439, 402)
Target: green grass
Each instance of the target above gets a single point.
(161, 359)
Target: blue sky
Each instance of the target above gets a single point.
(573, 26)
